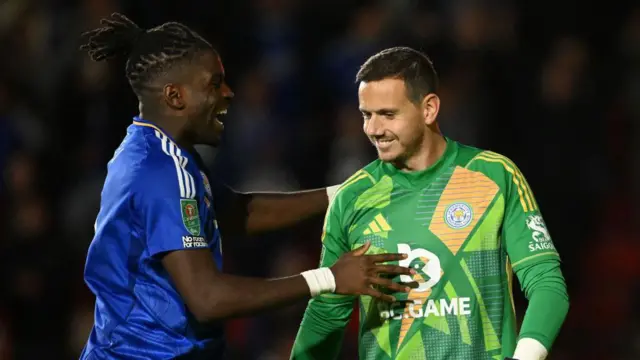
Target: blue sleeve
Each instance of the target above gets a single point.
(170, 210)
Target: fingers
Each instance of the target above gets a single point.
(393, 269)
(378, 258)
(108, 22)
(378, 295)
(386, 283)
(362, 249)
(118, 16)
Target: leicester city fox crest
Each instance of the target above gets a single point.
(207, 184)
(207, 189)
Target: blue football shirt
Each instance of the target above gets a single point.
(156, 199)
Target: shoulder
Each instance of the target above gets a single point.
(124, 168)
(161, 168)
(498, 167)
(504, 173)
(360, 183)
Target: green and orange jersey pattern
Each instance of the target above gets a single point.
(467, 223)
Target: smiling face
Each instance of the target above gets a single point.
(394, 125)
(200, 98)
(398, 101)
(208, 97)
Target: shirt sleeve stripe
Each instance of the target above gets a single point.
(525, 186)
(192, 184)
(191, 187)
(535, 256)
(524, 192)
(183, 164)
(519, 187)
(185, 180)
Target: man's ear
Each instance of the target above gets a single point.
(174, 96)
(430, 108)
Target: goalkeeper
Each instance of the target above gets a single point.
(467, 220)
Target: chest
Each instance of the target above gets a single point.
(434, 224)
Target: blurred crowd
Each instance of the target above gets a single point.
(554, 85)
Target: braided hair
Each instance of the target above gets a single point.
(149, 53)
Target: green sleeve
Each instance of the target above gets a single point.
(524, 231)
(323, 324)
(535, 261)
(544, 287)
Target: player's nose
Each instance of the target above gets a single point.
(227, 93)
(373, 126)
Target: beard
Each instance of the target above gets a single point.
(395, 149)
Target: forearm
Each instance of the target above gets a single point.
(546, 312)
(546, 291)
(272, 211)
(234, 296)
(548, 303)
(212, 295)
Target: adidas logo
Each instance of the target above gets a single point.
(378, 226)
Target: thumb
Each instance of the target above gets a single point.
(362, 249)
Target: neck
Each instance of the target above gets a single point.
(432, 147)
(172, 125)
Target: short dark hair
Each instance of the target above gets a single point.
(412, 66)
(149, 53)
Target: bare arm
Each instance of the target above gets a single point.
(254, 213)
(212, 295)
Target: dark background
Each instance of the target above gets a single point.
(554, 85)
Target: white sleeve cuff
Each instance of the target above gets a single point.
(530, 349)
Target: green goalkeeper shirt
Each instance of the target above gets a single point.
(467, 222)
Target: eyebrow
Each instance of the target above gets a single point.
(380, 111)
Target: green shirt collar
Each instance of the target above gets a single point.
(427, 176)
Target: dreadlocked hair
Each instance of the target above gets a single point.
(149, 52)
